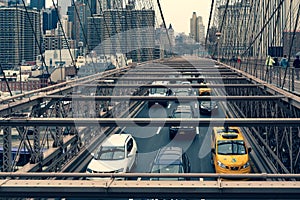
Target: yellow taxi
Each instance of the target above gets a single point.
(230, 154)
(204, 90)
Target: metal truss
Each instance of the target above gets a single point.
(258, 106)
(243, 122)
(197, 187)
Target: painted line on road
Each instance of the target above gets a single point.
(197, 130)
(158, 130)
(169, 106)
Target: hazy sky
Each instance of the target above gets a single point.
(179, 12)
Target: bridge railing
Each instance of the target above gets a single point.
(284, 78)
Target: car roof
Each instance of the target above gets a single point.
(116, 140)
(183, 108)
(221, 133)
(169, 155)
(160, 83)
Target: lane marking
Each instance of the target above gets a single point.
(197, 130)
(169, 106)
(158, 130)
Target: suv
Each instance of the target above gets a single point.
(117, 154)
(170, 160)
(182, 111)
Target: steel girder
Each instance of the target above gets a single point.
(63, 122)
(149, 189)
(7, 155)
(118, 85)
(147, 98)
(143, 79)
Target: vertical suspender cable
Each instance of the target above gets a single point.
(209, 21)
(164, 22)
(292, 42)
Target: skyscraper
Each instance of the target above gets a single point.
(18, 35)
(14, 2)
(78, 13)
(193, 26)
(130, 32)
(197, 29)
(50, 19)
(39, 4)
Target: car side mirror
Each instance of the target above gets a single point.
(129, 155)
(93, 155)
(213, 150)
(249, 149)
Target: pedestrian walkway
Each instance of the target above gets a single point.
(284, 78)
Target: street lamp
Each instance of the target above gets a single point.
(218, 35)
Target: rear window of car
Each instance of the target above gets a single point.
(167, 168)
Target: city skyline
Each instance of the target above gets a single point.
(177, 12)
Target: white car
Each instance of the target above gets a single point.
(117, 154)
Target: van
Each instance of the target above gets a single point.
(230, 154)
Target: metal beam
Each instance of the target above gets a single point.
(152, 122)
(174, 73)
(149, 189)
(116, 85)
(159, 98)
(173, 79)
(135, 176)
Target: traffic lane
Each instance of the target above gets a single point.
(151, 139)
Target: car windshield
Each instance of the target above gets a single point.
(182, 92)
(231, 147)
(167, 168)
(111, 153)
(182, 115)
(158, 90)
(208, 103)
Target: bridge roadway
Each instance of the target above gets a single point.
(149, 140)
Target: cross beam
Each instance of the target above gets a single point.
(152, 122)
(117, 85)
(160, 98)
(150, 189)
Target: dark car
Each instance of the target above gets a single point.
(170, 160)
(208, 107)
(182, 111)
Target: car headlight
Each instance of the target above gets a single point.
(246, 165)
(120, 170)
(221, 165)
(202, 106)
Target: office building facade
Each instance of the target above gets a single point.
(50, 19)
(197, 28)
(123, 31)
(18, 35)
(39, 4)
